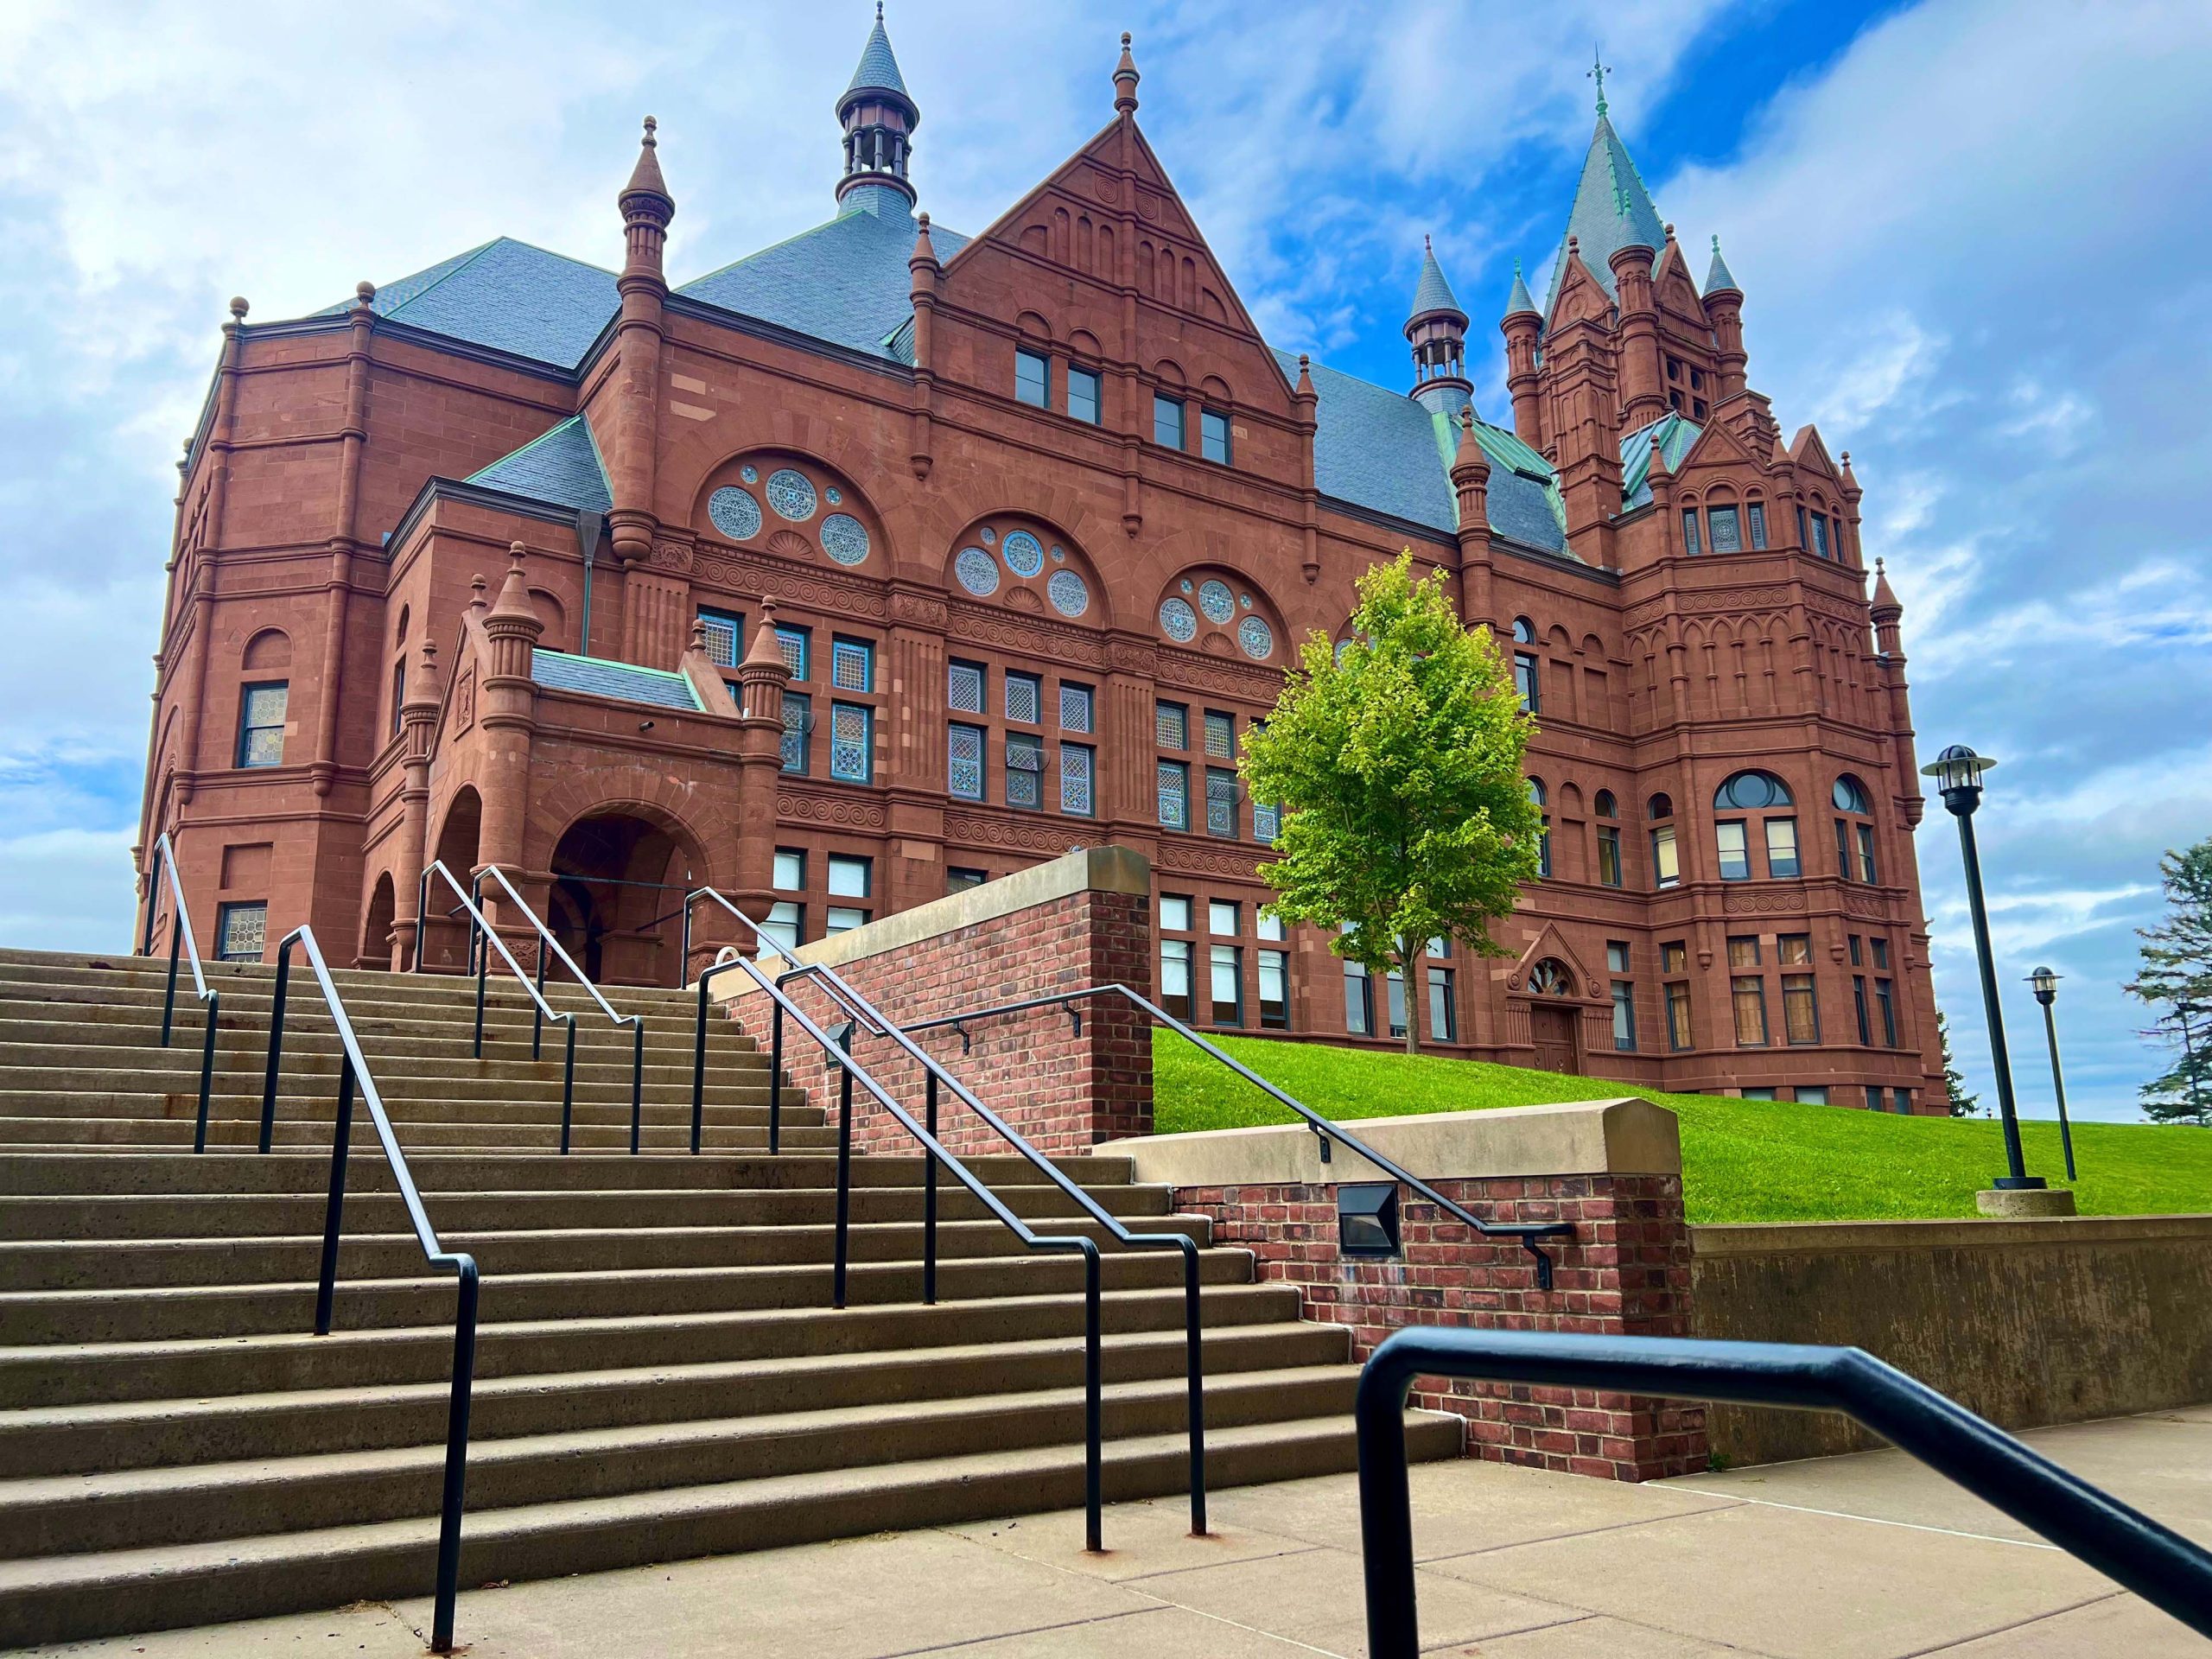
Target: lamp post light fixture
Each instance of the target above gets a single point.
(1957, 773)
(2046, 984)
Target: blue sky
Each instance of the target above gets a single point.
(1975, 239)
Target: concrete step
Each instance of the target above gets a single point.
(533, 1108)
(45, 1597)
(182, 1060)
(31, 970)
(602, 1134)
(140, 1020)
(61, 1374)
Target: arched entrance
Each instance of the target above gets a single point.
(444, 937)
(616, 900)
(1552, 1023)
(376, 931)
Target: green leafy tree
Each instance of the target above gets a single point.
(1397, 766)
(1955, 1081)
(2175, 979)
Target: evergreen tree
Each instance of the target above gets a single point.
(2175, 979)
(1955, 1081)
(1397, 766)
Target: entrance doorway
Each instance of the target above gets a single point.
(617, 903)
(1553, 1029)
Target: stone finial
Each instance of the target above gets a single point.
(478, 587)
(925, 250)
(1125, 80)
(699, 634)
(646, 195)
(767, 652)
(1470, 458)
(238, 307)
(366, 292)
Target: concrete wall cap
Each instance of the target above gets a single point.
(1596, 1137)
(1833, 1237)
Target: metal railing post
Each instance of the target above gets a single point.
(1194, 1388)
(637, 1083)
(169, 1000)
(536, 1011)
(844, 1036)
(449, 1507)
(276, 1043)
(153, 898)
(699, 1061)
(340, 1146)
(929, 1197)
(776, 1080)
(207, 1074)
(569, 1088)
(481, 960)
(1094, 1481)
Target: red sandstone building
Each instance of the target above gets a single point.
(476, 568)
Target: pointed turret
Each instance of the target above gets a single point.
(1724, 304)
(1717, 278)
(1884, 607)
(1125, 80)
(1437, 331)
(1522, 324)
(1613, 209)
(1519, 301)
(879, 116)
(647, 208)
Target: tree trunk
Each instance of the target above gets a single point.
(1409, 966)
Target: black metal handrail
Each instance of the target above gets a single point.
(480, 932)
(635, 1021)
(353, 1069)
(857, 1008)
(1326, 1129)
(2157, 1563)
(181, 931)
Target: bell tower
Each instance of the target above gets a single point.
(879, 119)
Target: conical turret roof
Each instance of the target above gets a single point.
(1433, 293)
(1518, 299)
(1612, 210)
(879, 68)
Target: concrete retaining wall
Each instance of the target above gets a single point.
(2026, 1322)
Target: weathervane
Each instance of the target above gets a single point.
(1598, 73)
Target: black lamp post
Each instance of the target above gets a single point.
(2046, 984)
(1957, 773)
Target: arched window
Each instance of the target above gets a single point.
(1527, 678)
(1659, 806)
(1524, 631)
(1765, 795)
(1603, 804)
(1551, 977)
(1854, 831)
(1609, 839)
(1544, 833)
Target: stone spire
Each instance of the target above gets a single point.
(1437, 331)
(1125, 80)
(1717, 278)
(1519, 301)
(879, 116)
(646, 210)
(1613, 209)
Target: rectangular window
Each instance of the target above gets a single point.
(1544, 845)
(1025, 769)
(1226, 981)
(963, 687)
(852, 742)
(1167, 421)
(1758, 1094)
(791, 870)
(1174, 781)
(1904, 1097)
(1782, 848)
(1756, 513)
(1024, 698)
(1804, 530)
(1624, 1015)
(1270, 927)
(842, 918)
(1735, 852)
(1170, 725)
(1866, 854)
(1359, 1001)
(1858, 1008)
(398, 693)
(794, 643)
(725, 635)
(1609, 856)
(1394, 987)
(1032, 379)
(1077, 709)
(1213, 436)
(1877, 1098)
(241, 931)
(1800, 1013)
(1221, 802)
(850, 878)
(1083, 395)
(1221, 735)
(1274, 989)
(1725, 530)
(1666, 869)
(1175, 977)
(1881, 953)
(1076, 770)
(1528, 681)
(1887, 1003)
(1689, 530)
(1678, 1016)
(1794, 949)
(1821, 534)
(260, 724)
(1843, 850)
(1674, 957)
(1223, 915)
(1748, 993)
(1175, 913)
(1853, 941)
(797, 741)
(1443, 1012)
(783, 925)
(1742, 951)
(1265, 821)
(964, 763)
(959, 881)
(852, 664)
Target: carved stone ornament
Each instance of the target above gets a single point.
(849, 812)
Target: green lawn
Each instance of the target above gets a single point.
(1743, 1159)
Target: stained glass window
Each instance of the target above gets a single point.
(978, 572)
(1267, 823)
(725, 636)
(1175, 795)
(1178, 620)
(852, 665)
(241, 931)
(844, 538)
(1726, 530)
(1074, 778)
(1070, 594)
(799, 732)
(735, 512)
(1221, 802)
(792, 642)
(261, 726)
(1025, 767)
(1022, 697)
(852, 741)
(1221, 735)
(1756, 513)
(1216, 601)
(1075, 707)
(1257, 638)
(964, 763)
(1689, 531)
(790, 495)
(1172, 724)
(1023, 553)
(964, 688)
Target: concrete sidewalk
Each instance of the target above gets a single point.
(1867, 1555)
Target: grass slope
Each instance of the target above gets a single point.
(1742, 1159)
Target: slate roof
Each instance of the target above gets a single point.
(559, 671)
(1673, 435)
(1717, 274)
(1518, 299)
(562, 466)
(878, 69)
(845, 282)
(1433, 293)
(508, 296)
(1612, 210)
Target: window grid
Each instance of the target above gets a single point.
(964, 762)
(852, 742)
(1221, 802)
(797, 744)
(1221, 735)
(963, 687)
(725, 636)
(1689, 530)
(1023, 697)
(1076, 708)
(242, 931)
(1076, 766)
(1024, 766)
(852, 665)
(1174, 789)
(1172, 725)
(794, 643)
(261, 723)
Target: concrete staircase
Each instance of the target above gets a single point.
(658, 1372)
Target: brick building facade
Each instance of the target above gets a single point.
(478, 568)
